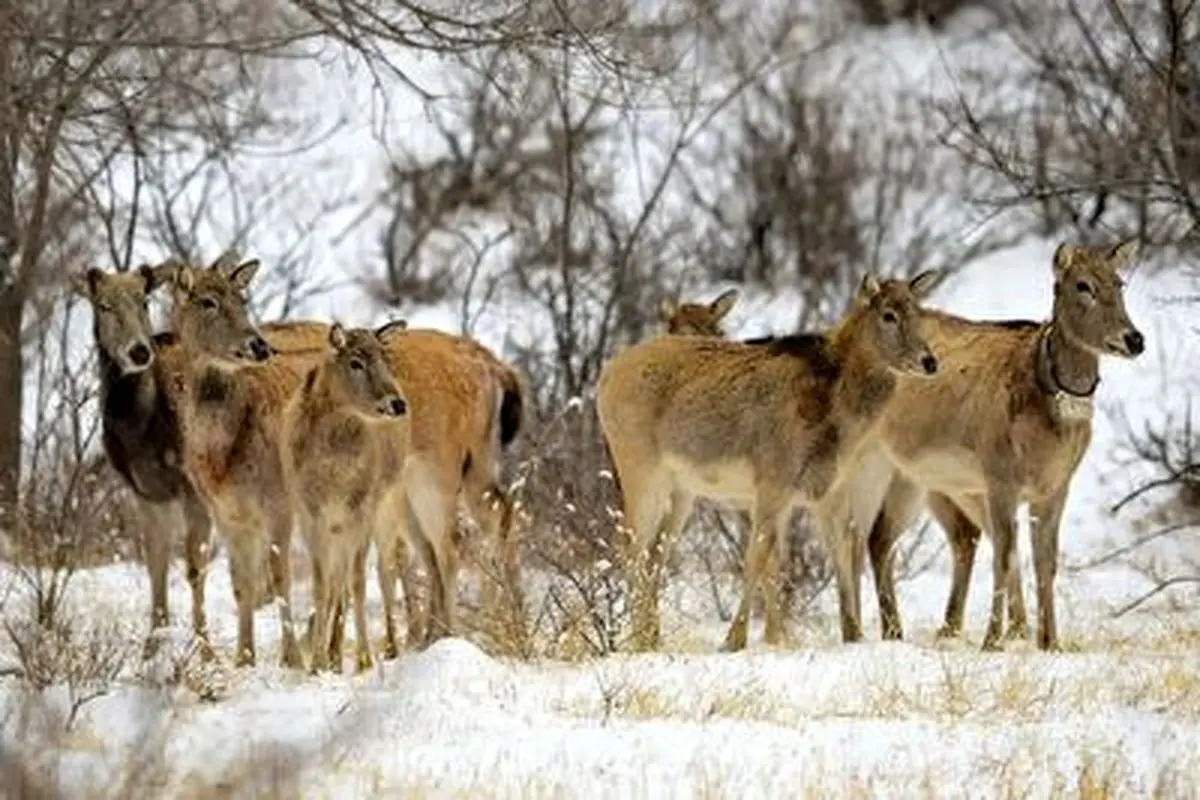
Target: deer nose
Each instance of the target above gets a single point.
(139, 354)
(397, 407)
(260, 349)
(929, 363)
(1135, 343)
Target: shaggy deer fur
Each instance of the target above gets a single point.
(697, 319)
(345, 439)
(229, 396)
(1007, 421)
(466, 407)
(763, 426)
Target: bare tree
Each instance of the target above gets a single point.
(1108, 132)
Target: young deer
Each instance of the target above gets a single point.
(762, 426)
(141, 431)
(229, 396)
(345, 439)
(1007, 421)
(466, 408)
(697, 319)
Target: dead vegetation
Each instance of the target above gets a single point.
(755, 170)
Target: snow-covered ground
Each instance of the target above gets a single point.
(1117, 713)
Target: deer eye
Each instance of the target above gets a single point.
(208, 304)
(889, 317)
(1083, 286)
(357, 364)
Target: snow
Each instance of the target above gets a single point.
(1117, 712)
(904, 717)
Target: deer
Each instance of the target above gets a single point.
(763, 426)
(344, 444)
(1006, 421)
(229, 394)
(466, 407)
(140, 432)
(697, 319)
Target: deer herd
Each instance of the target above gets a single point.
(359, 437)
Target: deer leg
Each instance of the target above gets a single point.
(415, 611)
(198, 557)
(245, 566)
(158, 526)
(385, 566)
(1047, 521)
(659, 552)
(429, 530)
(900, 504)
(775, 619)
(962, 534)
(337, 629)
(645, 509)
(1018, 620)
(764, 527)
(326, 593)
(358, 587)
(1001, 515)
(834, 523)
(279, 557)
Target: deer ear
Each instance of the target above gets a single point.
(153, 277)
(923, 285)
(1123, 254)
(183, 277)
(243, 273)
(84, 283)
(723, 304)
(667, 309)
(225, 261)
(337, 336)
(388, 328)
(1064, 255)
(868, 287)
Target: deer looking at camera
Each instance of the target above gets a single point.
(229, 395)
(465, 406)
(141, 430)
(344, 443)
(1007, 420)
(761, 426)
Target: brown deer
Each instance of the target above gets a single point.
(697, 319)
(763, 426)
(466, 408)
(345, 439)
(229, 396)
(1007, 420)
(140, 431)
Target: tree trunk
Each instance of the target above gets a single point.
(12, 372)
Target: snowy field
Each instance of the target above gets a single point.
(1116, 714)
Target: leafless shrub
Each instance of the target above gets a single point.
(1163, 505)
(85, 661)
(69, 515)
(1107, 125)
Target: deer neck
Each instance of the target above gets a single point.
(128, 400)
(864, 383)
(1064, 366)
